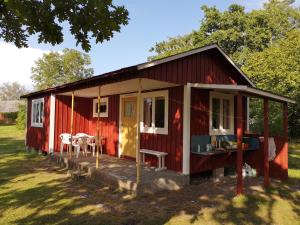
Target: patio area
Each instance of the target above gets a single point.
(121, 173)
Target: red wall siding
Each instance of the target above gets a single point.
(206, 67)
(171, 143)
(109, 126)
(82, 109)
(37, 137)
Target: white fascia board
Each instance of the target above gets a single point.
(243, 88)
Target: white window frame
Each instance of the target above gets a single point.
(221, 130)
(34, 102)
(102, 100)
(153, 129)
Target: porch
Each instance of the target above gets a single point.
(121, 173)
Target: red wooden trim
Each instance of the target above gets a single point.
(266, 143)
(239, 158)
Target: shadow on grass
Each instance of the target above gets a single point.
(41, 193)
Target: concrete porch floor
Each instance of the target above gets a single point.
(121, 174)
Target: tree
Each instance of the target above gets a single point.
(238, 33)
(277, 69)
(87, 19)
(21, 117)
(11, 91)
(57, 68)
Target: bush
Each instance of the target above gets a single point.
(21, 118)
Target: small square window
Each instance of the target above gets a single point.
(103, 107)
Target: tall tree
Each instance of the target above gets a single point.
(11, 91)
(239, 33)
(57, 68)
(87, 19)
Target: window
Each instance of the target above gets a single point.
(154, 112)
(221, 114)
(37, 112)
(103, 107)
(129, 109)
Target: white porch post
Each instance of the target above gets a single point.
(186, 129)
(52, 124)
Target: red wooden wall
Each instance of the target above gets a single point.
(82, 108)
(171, 143)
(109, 126)
(37, 137)
(206, 67)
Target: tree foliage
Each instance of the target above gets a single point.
(87, 19)
(11, 91)
(277, 69)
(237, 32)
(56, 68)
(21, 117)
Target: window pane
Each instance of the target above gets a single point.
(160, 112)
(216, 113)
(41, 112)
(129, 109)
(226, 114)
(36, 108)
(147, 112)
(103, 107)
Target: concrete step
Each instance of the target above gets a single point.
(78, 174)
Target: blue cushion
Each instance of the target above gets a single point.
(226, 138)
(199, 140)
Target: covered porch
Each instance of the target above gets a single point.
(249, 147)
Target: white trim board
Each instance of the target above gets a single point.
(243, 88)
(52, 123)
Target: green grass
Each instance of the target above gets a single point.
(33, 190)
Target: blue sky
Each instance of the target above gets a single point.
(150, 22)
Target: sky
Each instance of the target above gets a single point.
(150, 22)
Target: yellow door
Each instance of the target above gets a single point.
(128, 126)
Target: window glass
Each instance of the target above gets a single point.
(129, 110)
(147, 114)
(103, 107)
(215, 113)
(41, 112)
(226, 114)
(160, 112)
(37, 112)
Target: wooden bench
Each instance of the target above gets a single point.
(160, 156)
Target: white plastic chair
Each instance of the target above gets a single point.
(66, 140)
(89, 141)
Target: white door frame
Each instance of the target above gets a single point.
(120, 118)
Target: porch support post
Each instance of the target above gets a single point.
(138, 142)
(98, 127)
(239, 132)
(186, 129)
(285, 145)
(266, 143)
(138, 155)
(71, 127)
(52, 124)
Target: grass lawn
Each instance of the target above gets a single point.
(33, 190)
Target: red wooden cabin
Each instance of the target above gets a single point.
(186, 99)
